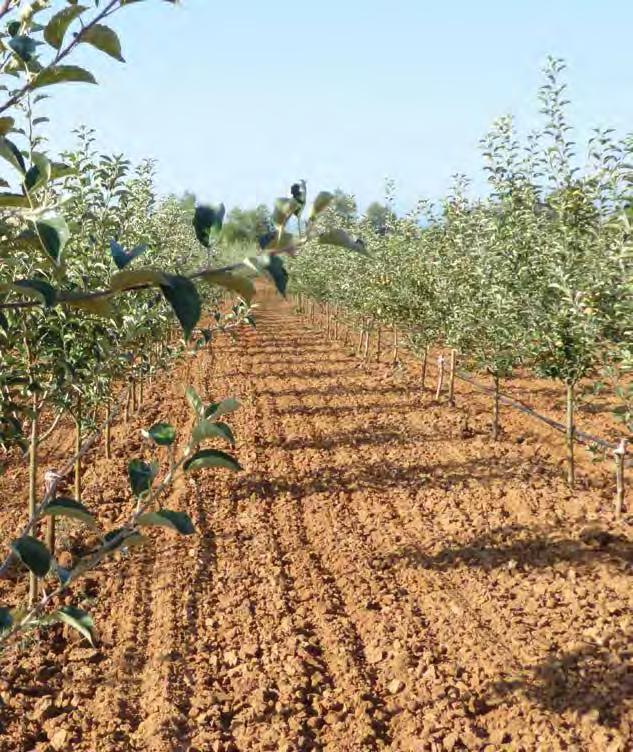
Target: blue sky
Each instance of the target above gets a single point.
(238, 99)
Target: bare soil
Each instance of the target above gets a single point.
(381, 576)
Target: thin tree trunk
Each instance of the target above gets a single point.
(451, 381)
(107, 433)
(571, 430)
(424, 362)
(33, 583)
(77, 450)
(134, 403)
(394, 358)
(359, 348)
(440, 377)
(619, 455)
(495, 409)
(366, 349)
(378, 343)
(128, 398)
(140, 391)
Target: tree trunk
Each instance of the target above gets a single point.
(33, 583)
(359, 348)
(451, 382)
(619, 455)
(106, 432)
(440, 377)
(394, 358)
(424, 362)
(571, 430)
(77, 450)
(140, 391)
(495, 409)
(378, 343)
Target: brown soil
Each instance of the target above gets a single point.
(380, 576)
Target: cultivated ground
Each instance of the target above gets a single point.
(381, 576)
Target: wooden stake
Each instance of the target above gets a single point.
(366, 350)
(451, 378)
(619, 454)
(378, 343)
(440, 377)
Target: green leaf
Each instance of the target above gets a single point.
(6, 619)
(6, 124)
(241, 285)
(39, 174)
(130, 539)
(100, 306)
(63, 507)
(77, 619)
(162, 434)
(178, 521)
(141, 475)
(208, 219)
(215, 411)
(54, 234)
(10, 152)
(58, 25)
(36, 288)
(104, 39)
(284, 209)
(183, 297)
(320, 204)
(121, 257)
(24, 47)
(206, 429)
(211, 458)
(61, 74)
(13, 200)
(278, 274)
(341, 239)
(193, 398)
(133, 277)
(33, 554)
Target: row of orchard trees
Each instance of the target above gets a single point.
(95, 269)
(539, 274)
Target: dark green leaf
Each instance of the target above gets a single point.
(208, 219)
(33, 554)
(54, 234)
(10, 152)
(206, 429)
(211, 458)
(141, 475)
(77, 619)
(121, 257)
(6, 619)
(178, 521)
(61, 74)
(215, 411)
(183, 297)
(63, 507)
(104, 39)
(37, 288)
(58, 25)
(162, 434)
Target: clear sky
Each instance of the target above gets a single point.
(238, 99)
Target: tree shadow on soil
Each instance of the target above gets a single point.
(526, 548)
(591, 679)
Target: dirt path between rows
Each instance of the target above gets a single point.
(378, 578)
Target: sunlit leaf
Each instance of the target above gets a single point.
(78, 620)
(206, 458)
(178, 521)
